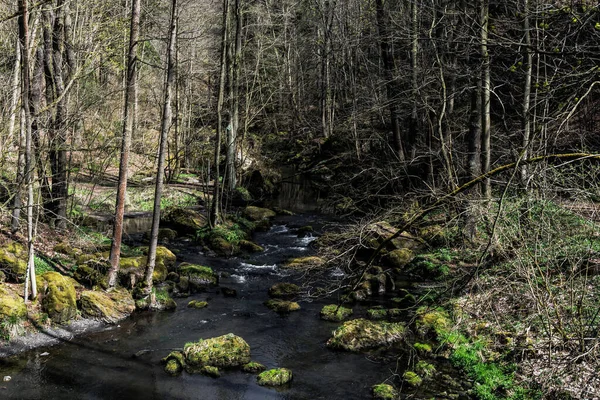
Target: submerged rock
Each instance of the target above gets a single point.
(257, 213)
(284, 290)
(253, 367)
(108, 307)
(223, 351)
(197, 304)
(250, 246)
(13, 261)
(274, 377)
(282, 306)
(59, 299)
(175, 363)
(384, 392)
(333, 312)
(361, 334)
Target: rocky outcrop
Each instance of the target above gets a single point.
(59, 299)
(361, 334)
(108, 307)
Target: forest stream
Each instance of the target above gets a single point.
(123, 361)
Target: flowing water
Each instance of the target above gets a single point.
(123, 362)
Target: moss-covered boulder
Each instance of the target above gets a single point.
(282, 306)
(250, 246)
(274, 377)
(89, 276)
(333, 312)
(198, 277)
(302, 263)
(59, 299)
(257, 213)
(223, 352)
(197, 304)
(161, 297)
(399, 258)
(174, 363)
(67, 249)
(284, 290)
(384, 391)
(164, 235)
(12, 305)
(133, 269)
(362, 334)
(108, 307)
(253, 367)
(13, 261)
(222, 247)
(184, 220)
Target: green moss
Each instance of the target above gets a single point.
(425, 369)
(412, 379)
(384, 392)
(361, 334)
(197, 304)
(173, 368)
(59, 297)
(284, 290)
(333, 312)
(250, 247)
(90, 277)
(243, 193)
(282, 306)
(256, 213)
(184, 220)
(400, 258)
(109, 307)
(432, 321)
(253, 367)
(377, 313)
(422, 347)
(11, 304)
(210, 371)
(275, 377)
(223, 351)
(13, 261)
(304, 262)
(175, 362)
(198, 276)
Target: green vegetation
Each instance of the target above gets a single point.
(336, 313)
(361, 334)
(253, 367)
(384, 391)
(274, 377)
(223, 351)
(412, 379)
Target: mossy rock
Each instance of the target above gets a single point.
(432, 322)
(12, 305)
(377, 313)
(281, 211)
(173, 277)
(184, 220)
(257, 213)
(198, 277)
(2, 277)
(335, 313)
(108, 307)
(399, 258)
(425, 369)
(59, 299)
(223, 351)
(304, 231)
(174, 363)
(282, 306)
(197, 304)
(222, 247)
(211, 371)
(253, 367)
(384, 391)
(412, 379)
(133, 269)
(250, 246)
(284, 290)
(164, 235)
(13, 261)
(301, 263)
(274, 377)
(435, 235)
(183, 286)
(362, 334)
(66, 249)
(89, 276)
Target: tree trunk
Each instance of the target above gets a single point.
(526, 94)
(234, 88)
(164, 133)
(115, 249)
(485, 101)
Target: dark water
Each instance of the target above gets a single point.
(102, 365)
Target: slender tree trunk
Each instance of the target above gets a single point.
(214, 210)
(526, 125)
(25, 93)
(164, 133)
(234, 87)
(115, 249)
(388, 74)
(13, 104)
(486, 91)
